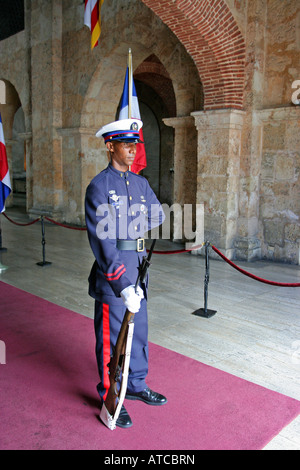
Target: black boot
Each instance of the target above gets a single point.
(124, 420)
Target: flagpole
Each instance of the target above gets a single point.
(130, 87)
(129, 83)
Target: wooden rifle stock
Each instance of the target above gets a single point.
(119, 363)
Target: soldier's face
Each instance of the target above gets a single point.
(122, 154)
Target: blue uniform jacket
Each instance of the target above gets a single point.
(117, 206)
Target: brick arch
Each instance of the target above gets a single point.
(210, 34)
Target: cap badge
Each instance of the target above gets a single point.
(134, 126)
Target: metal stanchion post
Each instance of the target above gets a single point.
(2, 268)
(205, 312)
(2, 250)
(1, 247)
(43, 263)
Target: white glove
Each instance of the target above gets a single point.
(131, 299)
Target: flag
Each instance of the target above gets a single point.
(140, 161)
(5, 187)
(92, 19)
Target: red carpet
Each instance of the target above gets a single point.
(49, 399)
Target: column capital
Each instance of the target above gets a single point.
(25, 136)
(70, 131)
(219, 119)
(182, 121)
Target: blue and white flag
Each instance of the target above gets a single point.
(140, 161)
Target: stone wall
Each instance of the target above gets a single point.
(280, 184)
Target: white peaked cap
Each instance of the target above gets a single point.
(125, 130)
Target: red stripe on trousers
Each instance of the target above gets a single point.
(106, 348)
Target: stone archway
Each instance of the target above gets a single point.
(8, 112)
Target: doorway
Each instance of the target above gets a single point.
(159, 141)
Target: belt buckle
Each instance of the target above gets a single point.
(140, 245)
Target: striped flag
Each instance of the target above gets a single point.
(92, 19)
(5, 187)
(140, 161)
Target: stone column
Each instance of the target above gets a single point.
(248, 241)
(82, 160)
(46, 78)
(218, 172)
(27, 138)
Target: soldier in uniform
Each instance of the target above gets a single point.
(120, 207)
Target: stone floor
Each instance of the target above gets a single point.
(255, 333)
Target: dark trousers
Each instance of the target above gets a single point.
(108, 320)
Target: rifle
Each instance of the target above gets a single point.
(119, 362)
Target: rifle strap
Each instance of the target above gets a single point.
(125, 369)
(106, 417)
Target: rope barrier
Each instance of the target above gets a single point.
(18, 223)
(63, 225)
(174, 252)
(243, 271)
(46, 218)
(273, 283)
